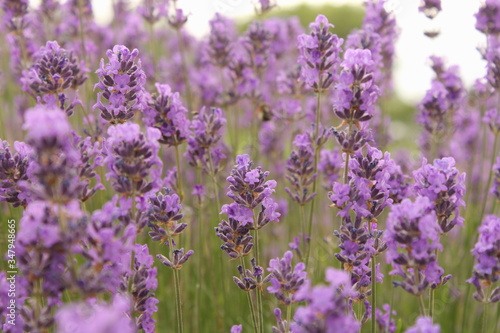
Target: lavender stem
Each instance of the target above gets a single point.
(488, 184)
(178, 178)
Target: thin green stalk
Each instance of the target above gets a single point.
(374, 290)
(488, 184)
(180, 325)
(260, 313)
(178, 178)
(214, 180)
(288, 317)
(484, 325)
(250, 303)
(422, 306)
(316, 157)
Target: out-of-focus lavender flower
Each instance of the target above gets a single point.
(319, 54)
(488, 17)
(412, 237)
(109, 240)
(300, 170)
(131, 158)
(121, 81)
(330, 164)
(53, 72)
(487, 267)
(495, 189)
(265, 6)
(492, 118)
(13, 169)
(444, 185)
(96, 317)
(281, 324)
(236, 329)
(326, 309)
(153, 10)
(205, 149)
(430, 8)
(386, 321)
(222, 35)
(142, 287)
(165, 112)
(177, 18)
(424, 325)
(286, 279)
(356, 92)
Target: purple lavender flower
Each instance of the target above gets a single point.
(329, 165)
(164, 215)
(424, 325)
(142, 287)
(444, 185)
(248, 186)
(326, 309)
(236, 237)
(319, 54)
(222, 35)
(495, 189)
(153, 11)
(121, 81)
(492, 118)
(251, 279)
(488, 17)
(300, 170)
(487, 267)
(53, 72)
(13, 169)
(205, 149)
(430, 8)
(96, 317)
(356, 92)
(412, 237)
(165, 112)
(286, 279)
(177, 259)
(386, 321)
(265, 6)
(236, 329)
(131, 158)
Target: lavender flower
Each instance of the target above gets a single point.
(153, 10)
(430, 8)
(236, 237)
(204, 147)
(424, 325)
(487, 18)
(143, 284)
(165, 112)
(300, 170)
(222, 35)
(177, 259)
(13, 169)
(285, 279)
(319, 54)
(164, 216)
(487, 267)
(53, 72)
(251, 279)
(329, 165)
(131, 158)
(326, 309)
(236, 329)
(356, 93)
(96, 317)
(444, 185)
(412, 237)
(496, 180)
(121, 82)
(386, 320)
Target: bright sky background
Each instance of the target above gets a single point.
(457, 42)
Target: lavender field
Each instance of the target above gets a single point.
(245, 181)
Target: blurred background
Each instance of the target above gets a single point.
(457, 41)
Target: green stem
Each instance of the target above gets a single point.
(214, 180)
(488, 184)
(288, 317)
(178, 178)
(185, 71)
(258, 290)
(180, 326)
(484, 325)
(374, 295)
(250, 303)
(316, 157)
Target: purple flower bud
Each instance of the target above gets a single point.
(285, 279)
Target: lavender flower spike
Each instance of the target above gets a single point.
(424, 325)
(285, 279)
(318, 56)
(121, 81)
(487, 267)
